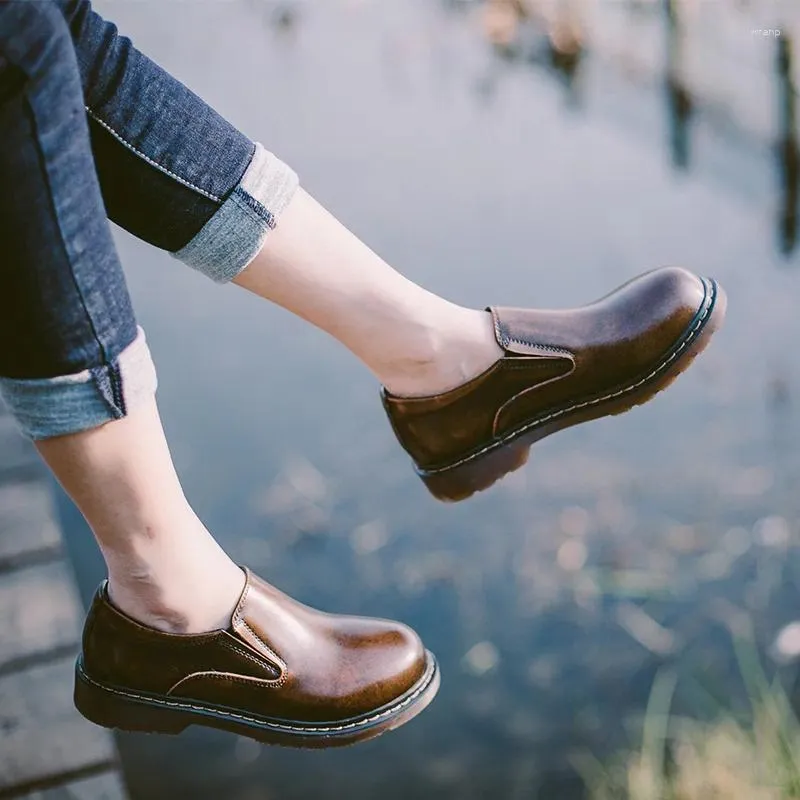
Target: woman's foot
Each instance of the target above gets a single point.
(557, 369)
(280, 672)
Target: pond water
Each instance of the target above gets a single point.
(553, 599)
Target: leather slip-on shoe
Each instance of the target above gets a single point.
(282, 673)
(559, 368)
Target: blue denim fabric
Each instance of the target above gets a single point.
(64, 306)
(91, 127)
(165, 160)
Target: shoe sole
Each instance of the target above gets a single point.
(483, 469)
(121, 709)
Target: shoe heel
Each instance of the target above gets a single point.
(112, 710)
(464, 480)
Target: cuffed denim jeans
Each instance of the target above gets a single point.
(91, 129)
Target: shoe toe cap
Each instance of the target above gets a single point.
(385, 660)
(655, 312)
(673, 296)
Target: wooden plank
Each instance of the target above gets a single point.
(107, 786)
(39, 611)
(27, 521)
(16, 451)
(41, 733)
(44, 742)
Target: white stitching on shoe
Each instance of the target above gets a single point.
(236, 646)
(548, 347)
(425, 682)
(279, 662)
(238, 621)
(504, 339)
(525, 392)
(708, 301)
(245, 680)
(237, 613)
(149, 160)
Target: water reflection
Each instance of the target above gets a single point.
(559, 36)
(789, 157)
(514, 29)
(679, 100)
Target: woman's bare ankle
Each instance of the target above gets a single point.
(182, 606)
(176, 579)
(460, 348)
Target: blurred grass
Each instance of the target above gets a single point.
(756, 758)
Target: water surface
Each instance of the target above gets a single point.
(626, 544)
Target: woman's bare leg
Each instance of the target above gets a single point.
(165, 569)
(413, 341)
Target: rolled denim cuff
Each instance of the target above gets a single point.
(47, 407)
(230, 240)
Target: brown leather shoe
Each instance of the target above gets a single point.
(282, 673)
(559, 368)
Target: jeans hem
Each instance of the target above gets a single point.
(233, 236)
(48, 407)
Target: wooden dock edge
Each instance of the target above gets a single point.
(47, 750)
